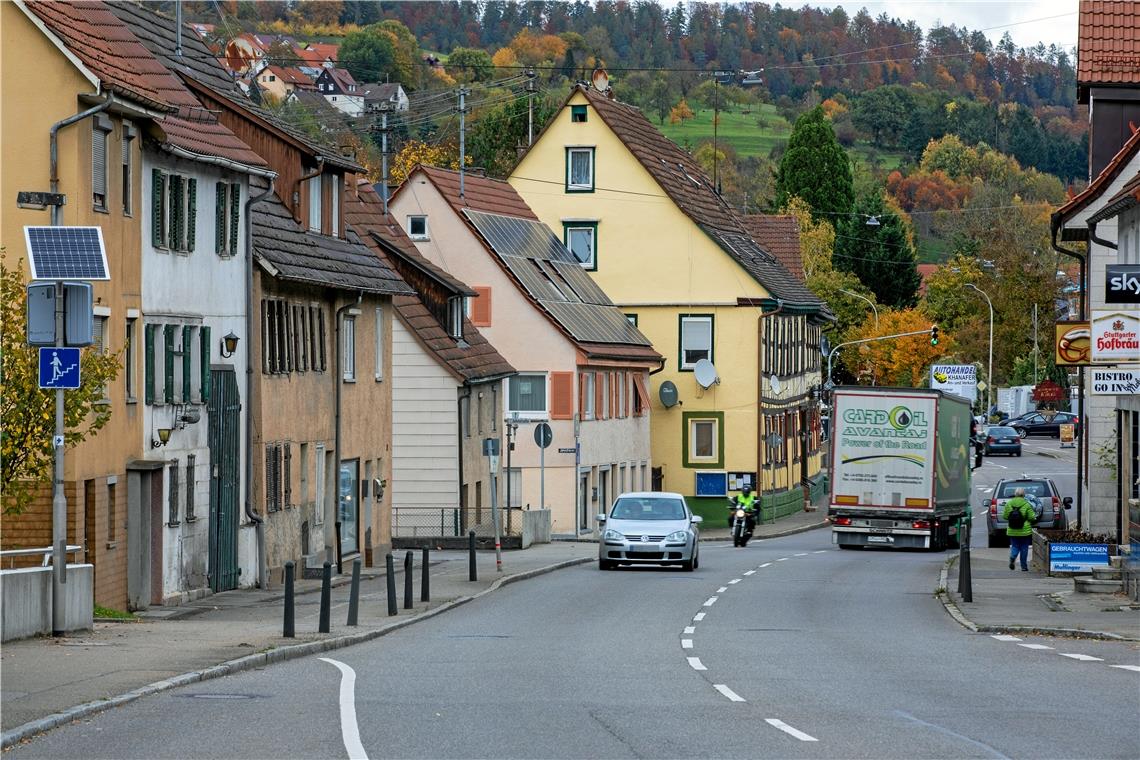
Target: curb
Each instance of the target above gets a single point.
(260, 659)
(1027, 630)
(788, 532)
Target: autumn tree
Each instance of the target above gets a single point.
(27, 412)
(902, 362)
(416, 152)
(815, 167)
(680, 112)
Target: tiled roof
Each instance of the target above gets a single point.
(1128, 197)
(1097, 187)
(924, 271)
(1108, 44)
(374, 91)
(687, 185)
(292, 253)
(343, 78)
(477, 359)
(317, 52)
(479, 193)
(109, 47)
(289, 75)
(779, 236)
(201, 71)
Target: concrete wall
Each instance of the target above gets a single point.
(536, 527)
(26, 601)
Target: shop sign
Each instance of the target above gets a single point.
(1122, 381)
(1115, 337)
(1122, 283)
(1071, 344)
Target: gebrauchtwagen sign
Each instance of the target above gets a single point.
(1116, 382)
(1077, 558)
(1122, 283)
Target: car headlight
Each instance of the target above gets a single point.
(677, 536)
(612, 535)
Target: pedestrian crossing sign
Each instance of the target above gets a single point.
(59, 368)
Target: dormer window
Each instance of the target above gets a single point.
(578, 114)
(314, 203)
(455, 309)
(418, 228)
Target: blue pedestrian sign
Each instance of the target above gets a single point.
(59, 368)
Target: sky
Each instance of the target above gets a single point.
(1027, 21)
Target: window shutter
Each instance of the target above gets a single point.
(582, 394)
(204, 346)
(321, 338)
(481, 307)
(174, 233)
(168, 367)
(266, 337)
(288, 475)
(561, 395)
(148, 363)
(220, 218)
(235, 216)
(99, 162)
(599, 407)
(191, 212)
(187, 363)
(157, 190)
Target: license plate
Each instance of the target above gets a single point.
(880, 539)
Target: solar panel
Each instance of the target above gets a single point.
(66, 253)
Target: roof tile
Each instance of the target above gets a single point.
(779, 236)
(1108, 41)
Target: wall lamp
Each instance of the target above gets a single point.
(162, 440)
(229, 345)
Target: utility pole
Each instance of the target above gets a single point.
(463, 93)
(1035, 348)
(530, 90)
(384, 108)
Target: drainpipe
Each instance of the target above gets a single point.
(250, 513)
(338, 376)
(760, 397)
(1083, 446)
(297, 192)
(54, 148)
(459, 429)
(1081, 442)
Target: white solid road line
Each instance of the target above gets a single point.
(710, 601)
(1082, 657)
(1005, 637)
(349, 730)
(695, 663)
(732, 695)
(698, 617)
(722, 589)
(789, 730)
(690, 629)
(734, 581)
(1034, 646)
(1127, 667)
(753, 572)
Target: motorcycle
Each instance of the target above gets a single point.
(741, 522)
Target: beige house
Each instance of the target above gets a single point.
(582, 366)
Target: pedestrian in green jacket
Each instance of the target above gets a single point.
(1019, 530)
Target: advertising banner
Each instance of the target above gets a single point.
(1077, 558)
(1122, 283)
(959, 379)
(1122, 381)
(1071, 344)
(1115, 337)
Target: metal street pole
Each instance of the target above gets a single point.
(875, 310)
(990, 368)
(838, 346)
(59, 498)
(495, 512)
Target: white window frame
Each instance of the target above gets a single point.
(588, 380)
(348, 352)
(532, 414)
(712, 422)
(315, 188)
(425, 235)
(456, 308)
(696, 319)
(101, 128)
(571, 185)
(379, 344)
(334, 204)
(592, 231)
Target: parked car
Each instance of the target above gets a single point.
(1042, 490)
(1000, 439)
(1038, 423)
(656, 528)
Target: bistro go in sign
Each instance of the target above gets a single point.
(1116, 382)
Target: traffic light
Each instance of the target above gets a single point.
(934, 335)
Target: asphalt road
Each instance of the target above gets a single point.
(787, 648)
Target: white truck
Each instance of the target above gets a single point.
(900, 467)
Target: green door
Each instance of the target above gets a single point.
(224, 409)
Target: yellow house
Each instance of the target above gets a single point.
(643, 217)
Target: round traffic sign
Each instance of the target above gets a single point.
(543, 435)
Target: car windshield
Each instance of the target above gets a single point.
(1031, 489)
(648, 508)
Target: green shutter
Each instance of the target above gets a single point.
(157, 189)
(148, 363)
(175, 212)
(235, 216)
(220, 218)
(187, 356)
(204, 361)
(192, 212)
(168, 366)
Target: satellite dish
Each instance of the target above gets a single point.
(777, 386)
(705, 373)
(668, 394)
(600, 80)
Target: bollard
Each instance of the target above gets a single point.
(425, 583)
(408, 580)
(289, 631)
(472, 573)
(326, 596)
(390, 573)
(968, 583)
(354, 593)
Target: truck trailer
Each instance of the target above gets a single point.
(900, 467)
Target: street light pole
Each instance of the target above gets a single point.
(831, 353)
(875, 310)
(990, 367)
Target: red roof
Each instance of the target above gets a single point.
(479, 193)
(779, 236)
(924, 271)
(317, 52)
(291, 76)
(1103, 180)
(1108, 44)
(108, 47)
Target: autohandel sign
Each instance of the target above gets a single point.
(959, 379)
(1122, 283)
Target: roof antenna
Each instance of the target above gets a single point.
(178, 28)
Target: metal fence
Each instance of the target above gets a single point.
(445, 522)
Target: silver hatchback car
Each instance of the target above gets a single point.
(650, 528)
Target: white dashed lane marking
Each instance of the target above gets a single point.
(820, 551)
(698, 617)
(686, 643)
(690, 629)
(1034, 646)
(781, 559)
(802, 554)
(734, 581)
(710, 601)
(1082, 657)
(732, 695)
(766, 564)
(695, 663)
(1127, 667)
(1005, 637)
(722, 589)
(789, 730)
(753, 572)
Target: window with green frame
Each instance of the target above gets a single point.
(581, 238)
(702, 440)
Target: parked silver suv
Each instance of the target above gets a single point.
(1050, 507)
